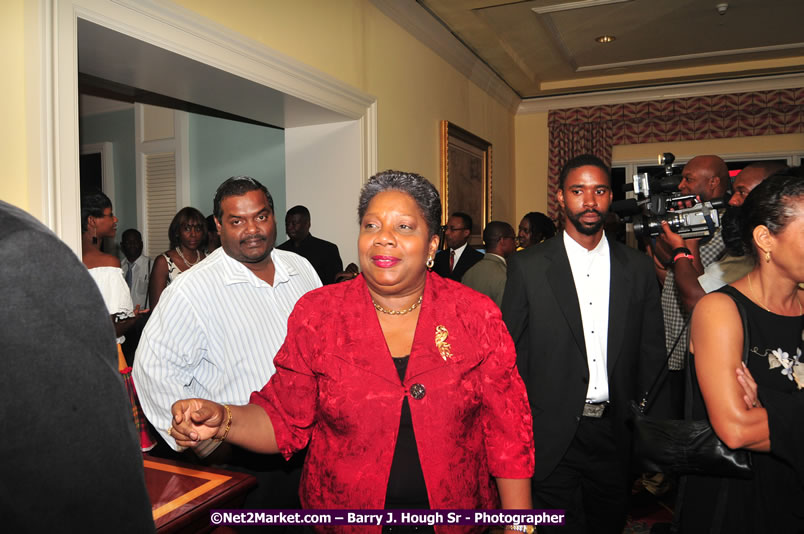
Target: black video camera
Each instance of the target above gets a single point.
(657, 199)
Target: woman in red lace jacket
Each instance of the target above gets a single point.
(403, 383)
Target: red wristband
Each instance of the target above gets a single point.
(683, 255)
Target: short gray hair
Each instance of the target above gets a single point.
(418, 187)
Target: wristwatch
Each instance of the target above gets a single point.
(521, 528)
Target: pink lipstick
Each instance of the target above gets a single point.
(385, 261)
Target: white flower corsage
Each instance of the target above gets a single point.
(791, 367)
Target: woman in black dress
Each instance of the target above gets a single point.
(773, 501)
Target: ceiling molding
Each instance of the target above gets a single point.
(580, 4)
(254, 61)
(541, 105)
(687, 57)
(558, 42)
(425, 27)
(546, 48)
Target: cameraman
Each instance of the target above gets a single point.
(730, 268)
(707, 177)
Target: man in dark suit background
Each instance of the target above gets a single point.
(69, 459)
(488, 275)
(459, 255)
(584, 313)
(323, 255)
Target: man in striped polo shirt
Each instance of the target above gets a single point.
(217, 328)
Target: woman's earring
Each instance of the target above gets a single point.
(94, 237)
(767, 256)
(430, 263)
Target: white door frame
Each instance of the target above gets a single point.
(106, 151)
(52, 80)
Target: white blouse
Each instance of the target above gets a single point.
(115, 291)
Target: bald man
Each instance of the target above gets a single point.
(729, 268)
(708, 178)
(705, 176)
(751, 176)
(690, 283)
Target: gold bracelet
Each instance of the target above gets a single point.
(521, 528)
(228, 425)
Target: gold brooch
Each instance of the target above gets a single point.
(441, 335)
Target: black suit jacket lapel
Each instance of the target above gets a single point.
(463, 263)
(559, 276)
(618, 305)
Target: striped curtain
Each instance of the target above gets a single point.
(596, 129)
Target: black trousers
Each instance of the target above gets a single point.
(590, 483)
(277, 484)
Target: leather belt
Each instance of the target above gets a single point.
(595, 410)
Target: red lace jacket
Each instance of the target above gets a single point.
(336, 387)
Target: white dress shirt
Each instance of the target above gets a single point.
(140, 275)
(458, 251)
(215, 332)
(591, 271)
(725, 271)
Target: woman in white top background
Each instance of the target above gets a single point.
(98, 222)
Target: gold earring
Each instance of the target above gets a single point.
(430, 263)
(767, 256)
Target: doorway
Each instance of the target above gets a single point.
(208, 66)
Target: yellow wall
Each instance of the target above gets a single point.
(13, 182)
(415, 89)
(531, 164)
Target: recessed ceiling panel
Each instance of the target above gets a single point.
(657, 41)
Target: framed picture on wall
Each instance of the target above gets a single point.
(465, 177)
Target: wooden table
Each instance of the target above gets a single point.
(182, 494)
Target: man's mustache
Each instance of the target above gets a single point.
(598, 213)
(253, 237)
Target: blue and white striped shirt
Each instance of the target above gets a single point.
(215, 332)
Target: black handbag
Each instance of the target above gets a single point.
(686, 447)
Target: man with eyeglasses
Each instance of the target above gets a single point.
(459, 256)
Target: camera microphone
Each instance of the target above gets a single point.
(626, 207)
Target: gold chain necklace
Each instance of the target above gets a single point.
(761, 303)
(397, 312)
(197, 256)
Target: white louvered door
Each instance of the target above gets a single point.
(160, 199)
(162, 172)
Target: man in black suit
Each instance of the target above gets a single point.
(459, 256)
(70, 457)
(322, 255)
(585, 316)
